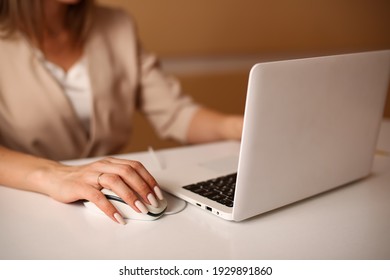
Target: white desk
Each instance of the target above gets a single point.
(352, 222)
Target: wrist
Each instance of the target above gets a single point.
(43, 179)
(231, 127)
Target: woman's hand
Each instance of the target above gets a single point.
(128, 179)
(208, 125)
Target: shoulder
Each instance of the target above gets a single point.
(12, 47)
(114, 31)
(10, 40)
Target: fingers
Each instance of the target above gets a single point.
(99, 199)
(131, 181)
(116, 184)
(128, 179)
(142, 171)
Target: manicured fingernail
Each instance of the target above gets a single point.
(158, 192)
(119, 218)
(141, 207)
(152, 200)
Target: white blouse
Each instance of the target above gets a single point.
(76, 85)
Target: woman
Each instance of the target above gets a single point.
(71, 76)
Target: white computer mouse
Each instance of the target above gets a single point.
(126, 211)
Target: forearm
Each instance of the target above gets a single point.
(24, 171)
(208, 125)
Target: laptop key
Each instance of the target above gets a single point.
(219, 189)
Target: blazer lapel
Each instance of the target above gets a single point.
(101, 78)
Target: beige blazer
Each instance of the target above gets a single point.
(37, 118)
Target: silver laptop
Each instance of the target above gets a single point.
(310, 125)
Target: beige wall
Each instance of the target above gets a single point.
(182, 27)
(280, 28)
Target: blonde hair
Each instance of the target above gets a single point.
(26, 16)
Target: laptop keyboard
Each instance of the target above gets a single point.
(219, 189)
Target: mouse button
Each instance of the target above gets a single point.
(158, 210)
(129, 213)
(107, 191)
